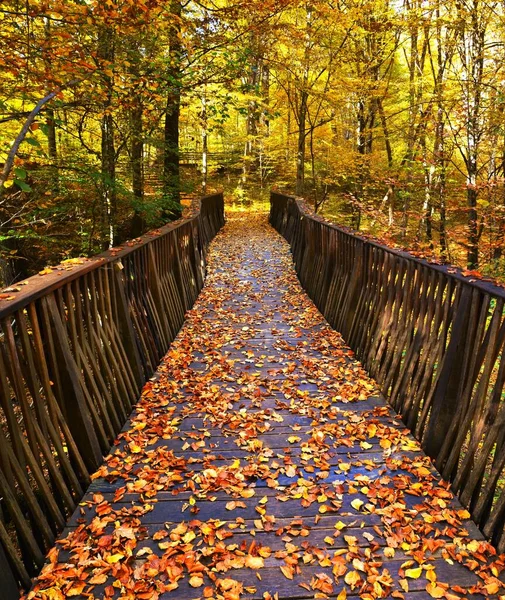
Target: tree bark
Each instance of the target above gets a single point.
(205, 141)
(108, 150)
(302, 137)
(472, 53)
(137, 166)
(172, 208)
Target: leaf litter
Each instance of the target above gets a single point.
(261, 462)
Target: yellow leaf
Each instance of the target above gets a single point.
(290, 471)
(377, 588)
(357, 503)
(414, 573)
(352, 578)
(72, 261)
(196, 581)
(435, 591)
(114, 558)
(254, 562)
(358, 564)
(189, 537)
(76, 589)
(98, 579)
(342, 595)
(287, 572)
(54, 594)
(423, 472)
(492, 587)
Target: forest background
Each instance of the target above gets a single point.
(388, 116)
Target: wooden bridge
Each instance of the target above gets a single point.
(262, 460)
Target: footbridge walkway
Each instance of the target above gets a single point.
(287, 444)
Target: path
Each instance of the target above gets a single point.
(261, 463)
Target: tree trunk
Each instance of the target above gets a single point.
(302, 137)
(473, 228)
(362, 147)
(389, 198)
(471, 49)
(253, 84)
(171, 168)
(205, 142)
(137, 166)
(414, 71)
(264, 121)
(288, 123)
(499, 221)
(444, 56)
(108, 151)
(52, 148)
(428, 169)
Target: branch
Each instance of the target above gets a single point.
(14, 117)
(9, 163)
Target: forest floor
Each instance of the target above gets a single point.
(261, 462)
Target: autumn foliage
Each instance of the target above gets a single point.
(387, 117)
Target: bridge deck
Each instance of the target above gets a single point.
(262, 463)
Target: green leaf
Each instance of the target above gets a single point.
(20, 173)
(22, 185)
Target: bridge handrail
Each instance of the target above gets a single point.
(76, 346)
(432, 338)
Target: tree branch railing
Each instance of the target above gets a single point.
(433, 339)
(76, 347)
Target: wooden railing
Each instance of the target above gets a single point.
(76, 347)
(224, 158)
(433, 339)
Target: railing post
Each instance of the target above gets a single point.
(125, 327)
(444, 406)
(159, 305)
(355, 289)
(8, 583)
(73, 403)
